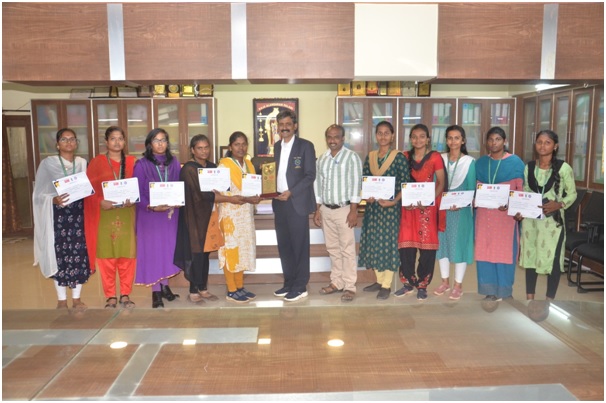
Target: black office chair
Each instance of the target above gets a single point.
(574, 235)
(592, 223)
(593, 250)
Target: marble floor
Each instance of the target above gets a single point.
(318, 348)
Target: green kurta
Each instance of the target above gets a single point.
(540, 237)
(380, 226)
(116, 235)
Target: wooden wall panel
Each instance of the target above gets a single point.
(300, 42)
(52, 44)
(177, 42)
(580, 46)
(490, 41)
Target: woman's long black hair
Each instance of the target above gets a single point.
(149, 154)
(108, 132)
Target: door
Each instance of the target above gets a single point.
(18, 132)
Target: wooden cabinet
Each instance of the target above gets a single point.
(133, 116)
(359, 117)
(577, 116)
(477, 116)
(49, 116)
(181, 118)
(437, 114)
(596, 170)
(184, 118)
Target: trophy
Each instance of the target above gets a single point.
(269, 177)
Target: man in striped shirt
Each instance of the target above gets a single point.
(337, 189)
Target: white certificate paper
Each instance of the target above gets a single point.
(491, 196)
(526, 203)
(462, 198)
(214, 179)
(251, 185)
(166, 193)
(379, 187)
(77, 186)
(415, 192)
(121, 190)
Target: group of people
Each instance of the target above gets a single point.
(393, 235)
(146, 245)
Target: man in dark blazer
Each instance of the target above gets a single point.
(296, 167)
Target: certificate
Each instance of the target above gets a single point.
(491, 196)
(214, 179)
(121, 190)
(77, 186)
(251, 185)
(415, 192)
(166, 194)
(528, 204)
(378, 187)
(458, 199)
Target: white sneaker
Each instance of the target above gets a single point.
(295, 296)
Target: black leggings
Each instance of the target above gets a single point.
(424, 273)
(553, 279)
(199, 272)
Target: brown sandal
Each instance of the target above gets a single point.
(207, 295)
(329, 289)
(348, 296)
(110, 303)
(78, 305)
(126, 302)
(195, 298)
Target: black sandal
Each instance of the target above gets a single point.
(111, 304)
(126, 302)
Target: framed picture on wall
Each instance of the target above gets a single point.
(265, 126)
(223, 151)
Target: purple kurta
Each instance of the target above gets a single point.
(156, 233)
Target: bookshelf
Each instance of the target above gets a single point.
(477, 116)
(48, 116)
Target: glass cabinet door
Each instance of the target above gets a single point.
(530, 107)
(411, 113)
(500, 115)
(597, 176)
(353, 119)
(138, 124)
(581, 123)
(381, 110)
(441, 118)
(197, 123)
(46, 122)
(106, 114)
(471, 121)
(77, 117)
(168, 119)
(561, 124)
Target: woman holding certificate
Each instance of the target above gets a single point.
(110, 226)
(420, 224)
(542, 249)
(59, 240)
(237, 222)
(496, 233)
(379, 238)
(198, 232)
(456, 242)
(156, 225)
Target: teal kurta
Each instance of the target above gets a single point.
(540, 237)
(456, 243)
(380, 226)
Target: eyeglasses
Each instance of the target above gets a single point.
(69, 140)
(159, 141)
